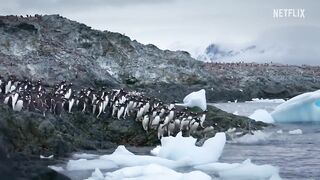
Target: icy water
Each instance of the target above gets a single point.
(297, 155)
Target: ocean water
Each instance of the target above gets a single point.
(296, 155)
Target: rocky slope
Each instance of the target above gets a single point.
(53, 48)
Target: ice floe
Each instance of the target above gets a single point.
(267, 100)
(196, 99)
(297, 131)
(84, 164)
(183, 148)
(167, 160)
(302, 108)
(262, 115)
(154, 172)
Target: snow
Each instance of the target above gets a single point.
(154, 172)
(257, 136)
(297, 131)
(44, 157)
(262, 115)
(84, 164)
(248, 171)
(196, 99)
(302, 108)
(183, 148)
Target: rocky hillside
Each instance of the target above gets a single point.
(53, 48)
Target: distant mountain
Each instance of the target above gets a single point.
(215, 52)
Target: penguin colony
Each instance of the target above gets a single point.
(153, 114)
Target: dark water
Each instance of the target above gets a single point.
(297, 156)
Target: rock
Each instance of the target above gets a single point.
(53, 48)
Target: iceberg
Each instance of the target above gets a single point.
(196, 99)
(262, 115)
(302, 108)
(183, 148)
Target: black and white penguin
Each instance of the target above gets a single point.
(121, 110)
(155, 121)
(145, 122)
(139, 115)
(203, 117)
(161, 129)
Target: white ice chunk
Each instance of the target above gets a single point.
(257, 136)
(302, 108)
(84, 164)
(84, 156)
(250, 171)
(155, 151)
(280, 131)
(297, 131)
(56, 168)
(96, 175)
(154, 172)
(262, 115)
(196, 99)
(267, 100)
(122, 157)
(46, 157)
(216, 167)
(183, 148)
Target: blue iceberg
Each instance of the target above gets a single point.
(302, 108)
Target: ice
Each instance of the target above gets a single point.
(302, 108)
(250, 171)
(96, 175)
(257, 136)
(46, 157)
(122, 157)
(196, 99)
(155, 151)
(84, 156)
(216, 167)
(262, 115)
(280, 131)
(183, 148)
(297, 131)
(84, 164)
(267, 100)
(56, 168)
(154, 172)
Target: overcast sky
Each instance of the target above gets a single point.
(192, 24)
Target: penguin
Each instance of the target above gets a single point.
(193, 125)
(121, 110)
(203, 117)
(115, 108)
(19, 104)
(15, 97)
(145, 122)
(171, 127)
(155, 121)
(71, 102)
(161, 129)
(139, 114)
(8, 86)
(100, 106)
(69, 91)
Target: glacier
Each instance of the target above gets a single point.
(302, 108)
